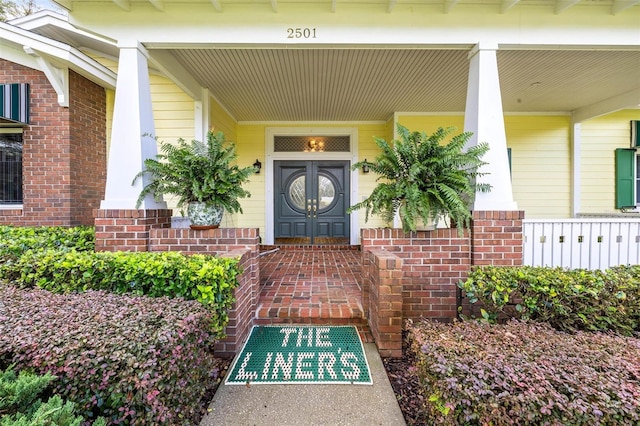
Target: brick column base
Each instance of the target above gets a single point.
(128, 230)
(384, 284)
(497, 238)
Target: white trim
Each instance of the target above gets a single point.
(352, 157)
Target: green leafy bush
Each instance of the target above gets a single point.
(134, 360)
(475, 373)
(567, 299)
(21, 404)
(16, 240)
(207, 279)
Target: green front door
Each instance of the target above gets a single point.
(311, 201)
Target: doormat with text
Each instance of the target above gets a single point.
(300, 354)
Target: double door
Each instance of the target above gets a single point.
(311, 201)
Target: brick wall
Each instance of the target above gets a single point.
(64, 151)
(433, 264)
(243, 310)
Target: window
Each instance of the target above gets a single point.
(628, 171)
(10, 168)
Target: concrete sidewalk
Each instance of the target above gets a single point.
(302, 405)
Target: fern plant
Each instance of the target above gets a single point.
(197, 171)
(423, 178)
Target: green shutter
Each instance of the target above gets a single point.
(625, 177)
(635, 133)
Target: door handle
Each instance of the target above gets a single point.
(315, 208)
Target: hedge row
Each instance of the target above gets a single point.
(566, 299)
(131, 359)
(475, 373)
(207, 279)
(16, 240)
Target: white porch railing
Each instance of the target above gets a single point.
(581, 243)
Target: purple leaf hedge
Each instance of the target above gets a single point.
(132, 359)
(519, 373)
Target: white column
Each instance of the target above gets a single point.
(484, 117)
(576, 142)
(132, 134)
(201, 119)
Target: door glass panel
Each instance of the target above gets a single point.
(296, 192)
(326, 192)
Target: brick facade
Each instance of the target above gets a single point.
(64, 151)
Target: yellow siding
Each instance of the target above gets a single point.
(429, 123)
(250, 144)
(600, 137)
(541, 164)
(367, 149)
(111, 98)
(221, 121)
(173, 110)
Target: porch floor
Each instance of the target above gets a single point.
(311, 286)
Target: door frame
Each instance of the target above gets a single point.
(352, 157)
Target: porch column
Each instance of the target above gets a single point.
(132, 134)
(484, 117)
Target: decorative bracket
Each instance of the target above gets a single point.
(57, 76)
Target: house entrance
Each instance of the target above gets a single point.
(311, 200)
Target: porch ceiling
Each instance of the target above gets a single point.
(329, 84)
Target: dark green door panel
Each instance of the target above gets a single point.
(311, 199)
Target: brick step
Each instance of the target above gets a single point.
(360, 323)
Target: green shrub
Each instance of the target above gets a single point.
(16, 240)
(21, 404)
(567, 299)
(19, 392)
(475, 373)
(207, 279)
(134, 360)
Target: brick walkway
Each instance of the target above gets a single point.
(310, 287)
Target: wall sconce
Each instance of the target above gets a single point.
(365, 166)
(257, 165)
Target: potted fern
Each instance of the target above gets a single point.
(425, 179)
(202, 175)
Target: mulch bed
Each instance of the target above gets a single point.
(405, 384)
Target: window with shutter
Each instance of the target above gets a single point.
(625, 178)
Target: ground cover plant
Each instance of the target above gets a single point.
(21, 402)
(473, 373)
(566, 299)
(132, 359)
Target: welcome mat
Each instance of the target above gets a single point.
(298, 354)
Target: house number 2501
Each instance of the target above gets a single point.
(301, 32)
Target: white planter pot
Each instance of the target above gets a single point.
(204, 216)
